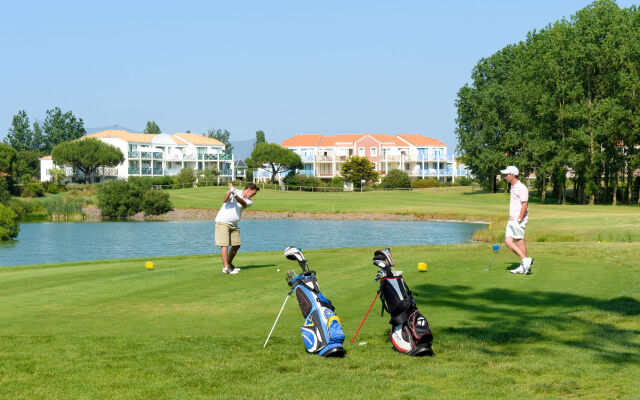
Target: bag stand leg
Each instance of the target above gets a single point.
(365, 317)
(278, 317)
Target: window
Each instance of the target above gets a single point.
(361, 151)
(325, 169)
(374, 151)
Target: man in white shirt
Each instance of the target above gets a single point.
(518, 218)
(227, 231)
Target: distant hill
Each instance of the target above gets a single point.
(115, 127)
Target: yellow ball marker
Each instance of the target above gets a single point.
(149, 264)
(422, 267)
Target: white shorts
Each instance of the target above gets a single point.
(515, 230)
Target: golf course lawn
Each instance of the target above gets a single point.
(112, 329)
(549, 222)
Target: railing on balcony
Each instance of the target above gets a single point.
(225, 171)
(158, 155)
(134, 154)
(146, 171)
(157, 171)
(145, 154)
(134, 171)
(108, 171)
(307, 172)
(307, 158)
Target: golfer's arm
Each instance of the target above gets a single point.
(226, 197)
(523, 212)
(240, 200)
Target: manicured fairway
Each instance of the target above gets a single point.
(548, 222)
(112, 329)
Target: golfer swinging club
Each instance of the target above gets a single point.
(227, 231)
(518, 218)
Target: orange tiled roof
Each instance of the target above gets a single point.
(384, 139)
(194, 138)
(46, 158)
(124, 135)
(419, 140)
(302, 140)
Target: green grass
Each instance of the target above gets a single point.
(548, 222)
(111, 329)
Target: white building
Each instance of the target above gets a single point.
(419, 156)
(156, 155)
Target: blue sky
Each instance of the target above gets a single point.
(286, 68)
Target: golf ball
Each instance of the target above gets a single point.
(278, 270)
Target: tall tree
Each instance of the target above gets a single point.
(59, 127)
(357, 168)
(223, 136)
(276, 158)
(20, 136)
(260, 138)
(87, 155)
(152, 128)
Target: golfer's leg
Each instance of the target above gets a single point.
(513, 246)
(232, 253)
(224, 253)
(522, 246)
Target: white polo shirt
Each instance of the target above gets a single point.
(231, 211)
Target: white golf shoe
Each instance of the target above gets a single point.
(527, 263)
(519, 270)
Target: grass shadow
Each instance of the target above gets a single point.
(252, 266)
(502, 316)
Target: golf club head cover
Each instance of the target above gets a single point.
(295, 254)
(384, 255)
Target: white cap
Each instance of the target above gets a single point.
(510, 170)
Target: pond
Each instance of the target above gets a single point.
(40, 243)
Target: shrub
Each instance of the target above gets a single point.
(9, 228)
(32, 189)
(51, 188)
(396, 179)
(304, 181)
(425, 183)
(119, 199)
(155, 202)
(149, 182)
(75, 186)
(186, 177)
(464, 181)
(4, 191)
(337, 182)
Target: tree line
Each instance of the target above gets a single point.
(561, 103)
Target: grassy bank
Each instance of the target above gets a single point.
(549, 222)
(111, 329)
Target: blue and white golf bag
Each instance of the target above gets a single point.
(410, 332)
(322, 331)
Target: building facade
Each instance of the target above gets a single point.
(419, 156)
(156, 155)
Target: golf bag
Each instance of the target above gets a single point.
(321, 332)
(410, 333)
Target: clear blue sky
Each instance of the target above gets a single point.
(286, 68)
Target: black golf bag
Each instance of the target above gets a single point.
(410, 333)
(321, 332)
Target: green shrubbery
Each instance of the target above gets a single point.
(425, 183)
(186, 176)
(149, 182)
(396, 179)
(303, 181)
(9, 228)
(121, 199)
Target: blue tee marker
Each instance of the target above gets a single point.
(496, 248)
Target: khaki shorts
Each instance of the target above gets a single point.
(227, 235)
(515, 230)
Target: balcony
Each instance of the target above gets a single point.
(157, 155)
(157, 171)
(225, 171)
(307, 172)
(134, 154)
(145, 154)
(134, 171)
(146, 171)
(107, 171)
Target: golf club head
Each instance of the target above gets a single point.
(290, 275)
(294, 254)
(385, 255)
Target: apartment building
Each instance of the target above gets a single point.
(419, 156)
(157, 155)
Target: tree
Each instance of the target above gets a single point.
(186, 176)
(357, 168)
(58, 175)
(20, 136)
(9, 228)
(396, 179)
(87, 155)
(28, 163)
(152, 128)
(276, 158)
(8, 167)
(223, 136)
(260, 138)
(119, 199)
(59, 128)
(5, 196)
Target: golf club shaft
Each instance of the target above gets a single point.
(278, 317)
(365, 317)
